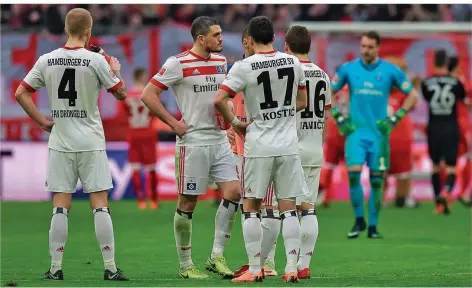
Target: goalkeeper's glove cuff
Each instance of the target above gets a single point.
(398, 115)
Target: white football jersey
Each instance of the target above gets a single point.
(310, 121)
(195, 81)
(73, 77)
(269, 82)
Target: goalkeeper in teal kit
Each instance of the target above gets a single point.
(367, 125)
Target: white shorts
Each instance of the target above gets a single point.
(312, 180)
(65, 168)
(284, 171)
(196, 167)
(270, 199)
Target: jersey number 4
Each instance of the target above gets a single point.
(264, 79)
(319, 101)
(68, 80)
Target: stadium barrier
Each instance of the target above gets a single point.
(332, 44)
(24, 173)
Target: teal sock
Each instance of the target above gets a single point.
(357, 195)
(375, 199)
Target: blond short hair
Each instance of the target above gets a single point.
(78, 20)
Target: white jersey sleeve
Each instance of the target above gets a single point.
(310, 121)
(107, 77)
(169, 75)
(235, 80)
(35, 79)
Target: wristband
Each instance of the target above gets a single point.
(235, 121)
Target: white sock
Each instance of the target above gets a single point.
(270, 232)
(271, 256)
(291, 235)
(252, 232)
(105, 237)
(183, 237)
(224, 222)
(57, 237)
(308, 236)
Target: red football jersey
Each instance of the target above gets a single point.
(404, 130)
(462, 109)
(139, 116)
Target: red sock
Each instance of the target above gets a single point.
(136, 180)
(443, 175)
(151, 182)
(466, 177)
(327, 185)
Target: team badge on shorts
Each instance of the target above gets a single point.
(220, 69)
(191, 185)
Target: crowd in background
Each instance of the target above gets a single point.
(113, 18)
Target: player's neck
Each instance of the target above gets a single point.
(261, 48)
(75, 42)
(441, 70)
(371, 62)
(200, 51)
(138, 86)
(302, 57)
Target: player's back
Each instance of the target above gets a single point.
(271, 82)
(310, 121)
(442, 92)
(139, 116)
(72, 77)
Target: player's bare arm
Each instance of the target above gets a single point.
(221, 104)
(411, 100)
(115, 66)
(230, 132)
(23, 97)
(150, 98)
(301, 99)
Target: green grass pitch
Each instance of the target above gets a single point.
(419, 248)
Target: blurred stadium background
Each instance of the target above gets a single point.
(145, 35)
(418, 250)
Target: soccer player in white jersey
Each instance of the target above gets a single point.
(273, 84)
(203, 152)
(74, 76)
(310, 123)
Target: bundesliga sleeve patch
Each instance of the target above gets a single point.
(162, 71)
(405, 85)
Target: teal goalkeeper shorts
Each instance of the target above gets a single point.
(367, 148)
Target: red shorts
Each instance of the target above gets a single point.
(401, 158)
(142, 150)
(465, 138)
(333, 151)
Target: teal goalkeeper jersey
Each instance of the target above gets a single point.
(369, 89)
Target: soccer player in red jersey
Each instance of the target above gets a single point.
(465, 128)
(142, 139)
(334, 147)
(401, 143)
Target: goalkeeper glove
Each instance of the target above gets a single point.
(343, 122)
(386, 126)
